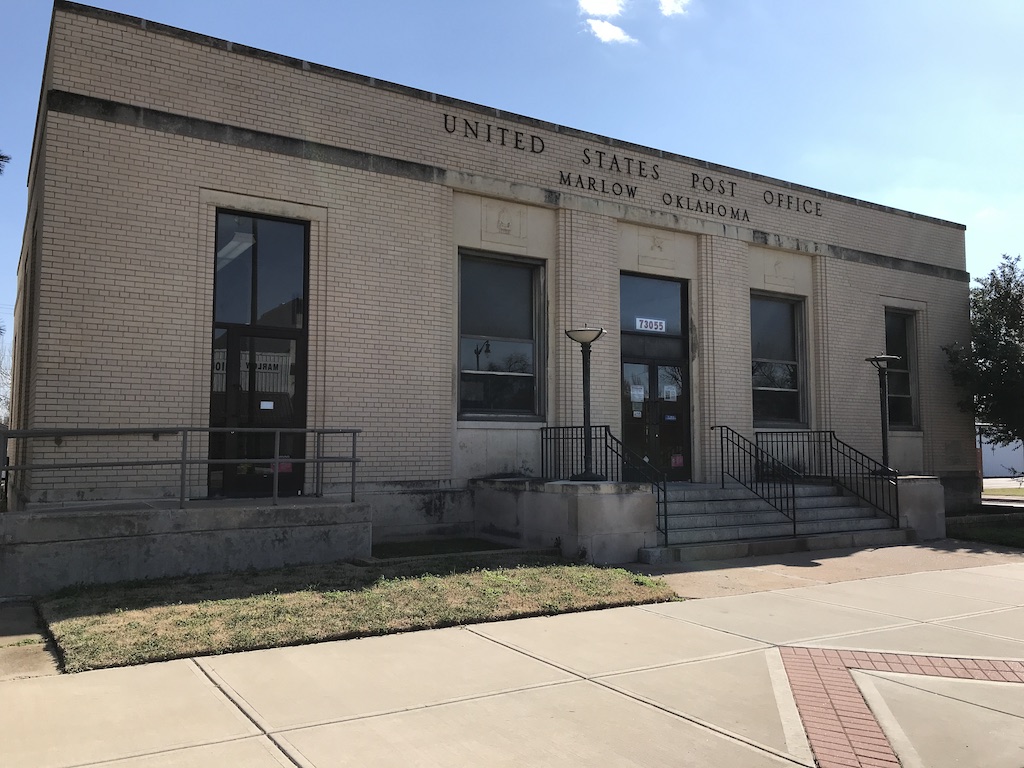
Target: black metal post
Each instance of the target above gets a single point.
(588, 448)
(588, 456)
(184, 464)
(585, 337)
(883, 397)
(277, 464)
(881, 363)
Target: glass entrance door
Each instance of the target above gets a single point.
(258, 377)
(655, 415)
(654, 345)
(258, 381)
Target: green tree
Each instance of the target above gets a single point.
(990, 373)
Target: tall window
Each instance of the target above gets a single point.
(899, 341)
(776, 365)
(498, 337)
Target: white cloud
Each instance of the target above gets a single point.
(606, 8)
(673, 7)
(608, 33)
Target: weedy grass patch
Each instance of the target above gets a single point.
(139, 622)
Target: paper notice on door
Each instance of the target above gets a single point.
(636, 393)
(266, 405)
(669, 394)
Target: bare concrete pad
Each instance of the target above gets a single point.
(564, 725)
(928, 730)
(18, 623)
(312, 684)
(933, 639)
(774, 617)
(1007, 571)
(737, 694)
(113, 713)
(968, 584)
(616, 640)
(876, 595)
(724, 583)
(255, 752)
(720, 578)
(32, 660)
(1007, 623)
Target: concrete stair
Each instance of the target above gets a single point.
(707, 522)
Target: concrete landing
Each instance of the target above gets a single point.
(24, 650)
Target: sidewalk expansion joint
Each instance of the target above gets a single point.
(229, 695)
(600, 680)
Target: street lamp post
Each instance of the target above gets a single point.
(585, 337)
(881, 363)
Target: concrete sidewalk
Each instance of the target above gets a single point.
(927, 667)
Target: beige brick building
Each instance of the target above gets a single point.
(221, 236)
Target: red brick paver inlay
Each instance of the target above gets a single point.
(841, 728)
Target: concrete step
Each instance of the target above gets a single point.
(703, 492)
(718, 506)
(779, 527)
(688, 519)
(726, 550)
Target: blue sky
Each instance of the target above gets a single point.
(916, 104)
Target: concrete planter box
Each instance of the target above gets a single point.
(923, 506)
(603, 523)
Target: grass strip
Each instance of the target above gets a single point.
(139, 622)
(1008, 533)
(1003, 492)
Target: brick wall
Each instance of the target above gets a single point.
(123, 306)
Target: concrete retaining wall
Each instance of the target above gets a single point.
(603, 523)
(45, 550)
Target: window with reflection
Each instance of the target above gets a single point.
(776, 366)
(899, 341)
(498, 337)
(650, 305)
(260, 271)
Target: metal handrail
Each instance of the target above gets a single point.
(656, 477)
(184, 462)
(820, 454)
(758, 471)
(562, 457)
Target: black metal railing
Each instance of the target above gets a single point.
(181, 454)
(563, 451)
(758, 471)
(562, 458)
(820, 455)
(633, 468)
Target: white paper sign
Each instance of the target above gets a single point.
(650, 324)
(669, 394)
(636, 393)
